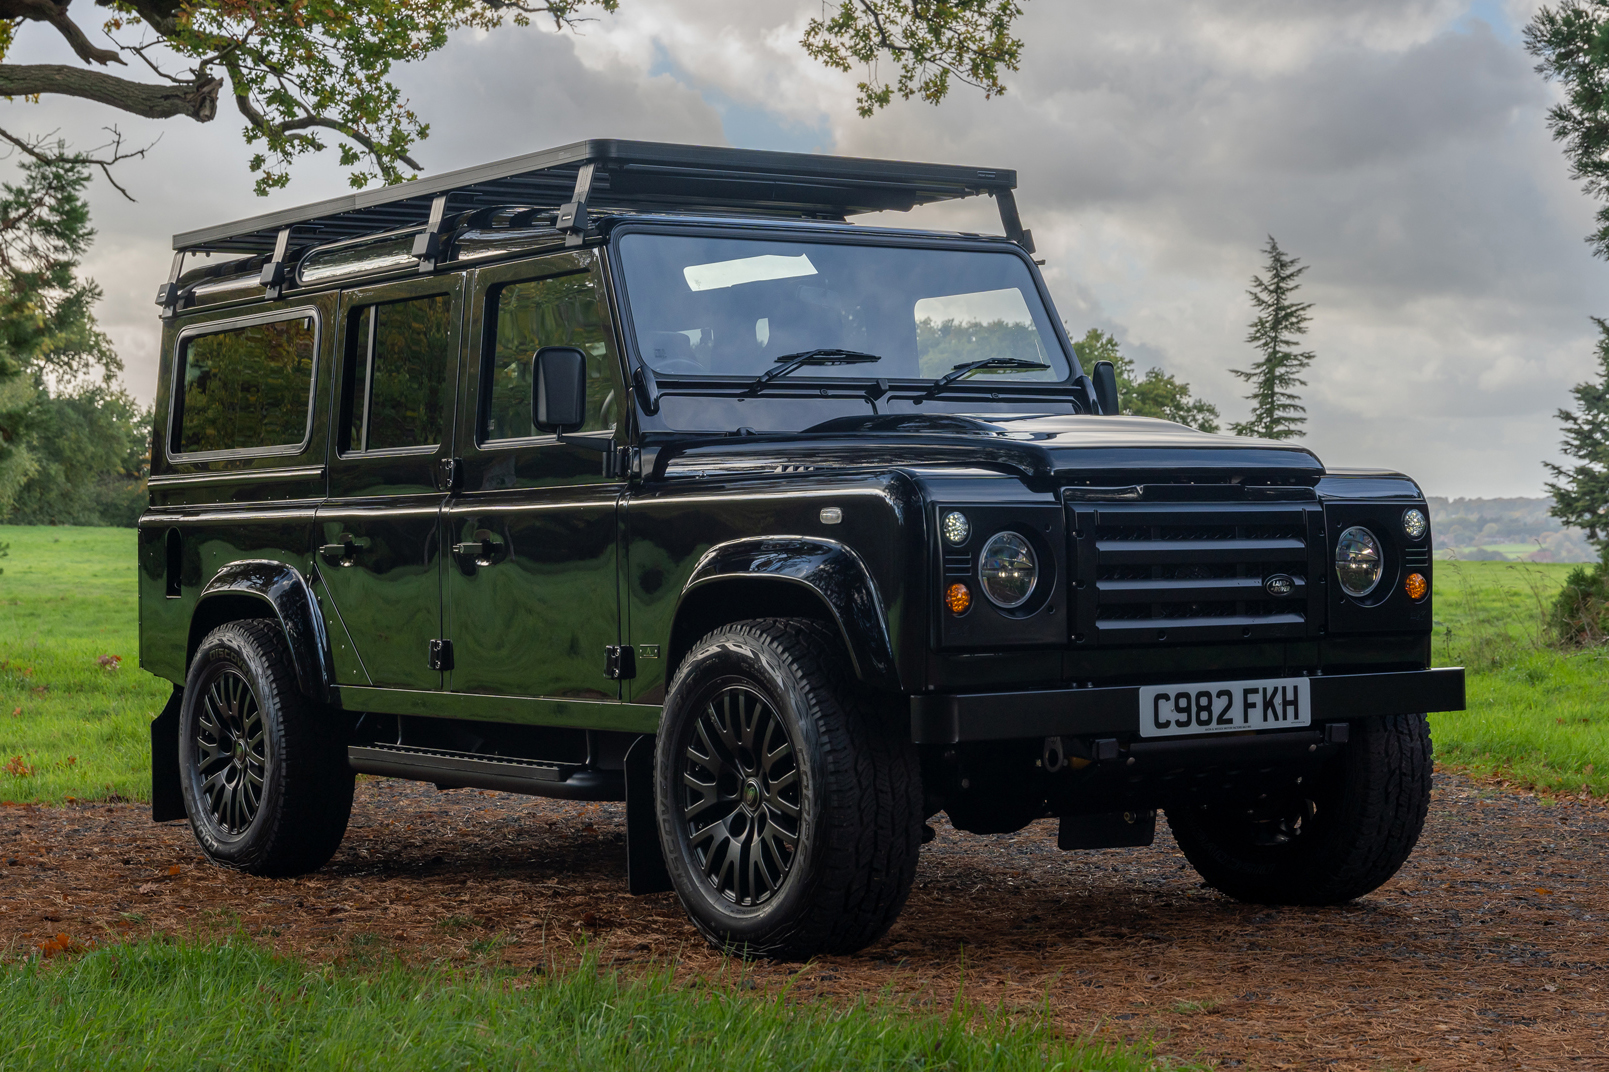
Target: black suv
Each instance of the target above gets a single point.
(628, 471)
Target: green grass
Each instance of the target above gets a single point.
(1537, 716)
(231, 1004)
(67, 598)
(69, 725)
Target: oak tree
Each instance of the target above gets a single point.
(306, 73)
(1156, 394)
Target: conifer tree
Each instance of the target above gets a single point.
(1581, 492)
(1281, 321)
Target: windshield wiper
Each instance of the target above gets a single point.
(787, 363)
(973, 366)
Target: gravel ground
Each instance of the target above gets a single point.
(1488, 950)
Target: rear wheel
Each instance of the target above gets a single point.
(1346, 835)
(789, 802)
(264, 773)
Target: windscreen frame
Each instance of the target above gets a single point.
(852, 383)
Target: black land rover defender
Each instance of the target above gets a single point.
(628, 471)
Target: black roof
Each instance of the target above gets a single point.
(629, 175)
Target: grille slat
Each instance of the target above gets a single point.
(1184, 591)
(1172, 552)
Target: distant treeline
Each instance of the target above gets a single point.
(1519, 529)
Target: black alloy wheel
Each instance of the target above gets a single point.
(741, 796)
(262, 767)
(788, 798)
(231, 747)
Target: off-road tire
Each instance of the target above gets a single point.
(1370, 804)
(296, 754)
(859, 790)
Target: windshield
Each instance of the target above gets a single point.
(734, 307)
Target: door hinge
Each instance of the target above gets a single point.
(451, 469)
(619, 662)
(441, 655)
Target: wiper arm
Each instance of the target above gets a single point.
(787, 363)
(973, 366)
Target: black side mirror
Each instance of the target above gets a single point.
(1105, 377)
(559, 396)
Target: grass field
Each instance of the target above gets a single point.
(72, 723)
(232, 1004)
(75, 708)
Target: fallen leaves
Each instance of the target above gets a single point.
(59, 943)
(17, 768)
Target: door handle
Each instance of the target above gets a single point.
(484, 551)
(346, 549)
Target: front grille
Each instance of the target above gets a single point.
(1193, 571)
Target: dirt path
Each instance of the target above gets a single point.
(1488, 951)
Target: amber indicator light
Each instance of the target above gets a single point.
(958, 597)
(1417, 587)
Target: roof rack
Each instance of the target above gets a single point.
(629, 175)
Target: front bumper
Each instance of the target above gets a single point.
(1115, 712)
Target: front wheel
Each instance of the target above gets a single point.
(1344, 835)
(265, 777)
(789, 802)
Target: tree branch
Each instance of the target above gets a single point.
(197, 99)
(103, 162)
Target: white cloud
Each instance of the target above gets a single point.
(1396, 146)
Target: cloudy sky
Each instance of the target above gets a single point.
(1397, 147)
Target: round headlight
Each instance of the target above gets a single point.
(1007, 570)
(1358, 562)
(1414, 523)
(956, 528)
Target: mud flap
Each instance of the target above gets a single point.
(167, 799)
(645, 862)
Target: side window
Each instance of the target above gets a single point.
(248, 388)
(396, 370)
(564, 310)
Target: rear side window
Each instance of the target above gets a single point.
(564, 310)
(397, 358)
(248, 388)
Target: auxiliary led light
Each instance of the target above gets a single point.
(1414, 523)
(1416, 586)
(958, 597)
(956, 528)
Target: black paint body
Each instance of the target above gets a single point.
(460, 597)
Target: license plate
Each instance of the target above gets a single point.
(1225, 707)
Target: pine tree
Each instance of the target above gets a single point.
(1277, 412)
(1581, 492)
(1156, 395)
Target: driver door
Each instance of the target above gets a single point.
(531, 589)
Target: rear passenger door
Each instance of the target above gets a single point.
(531, 588)
(380, 549)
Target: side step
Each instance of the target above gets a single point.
(470, 770)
